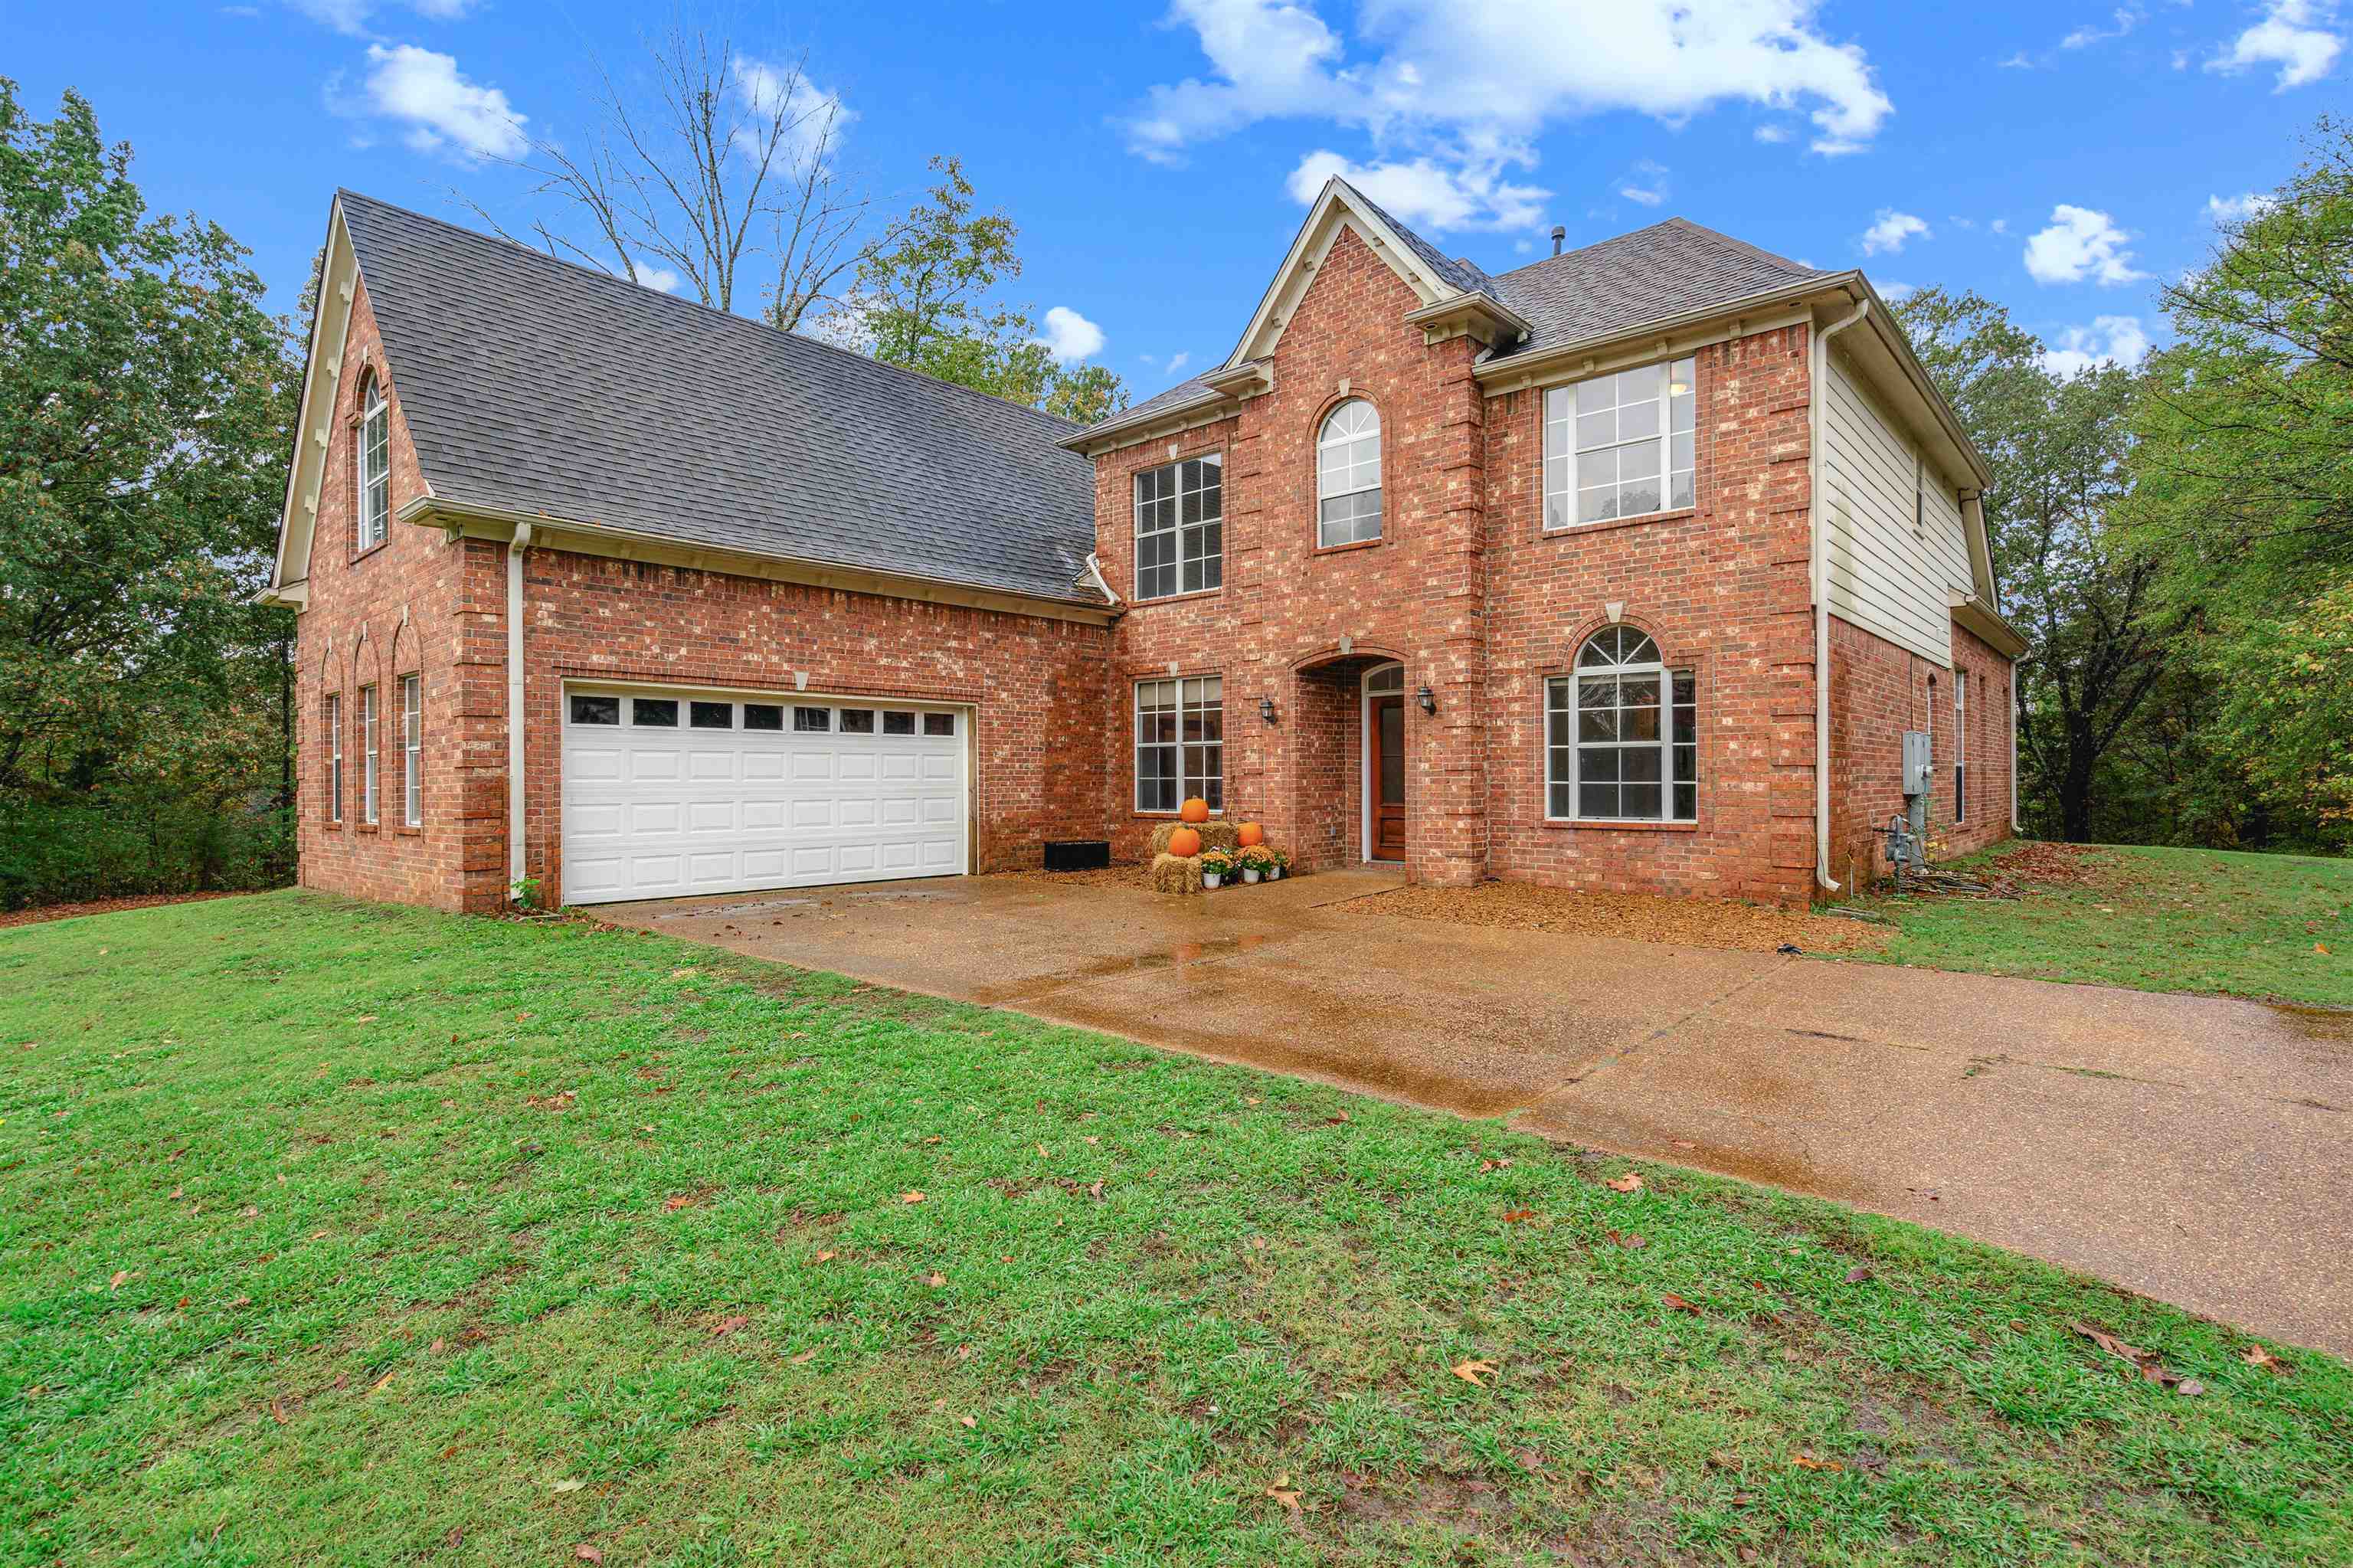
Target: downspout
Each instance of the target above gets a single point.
(1094, 570)
(1822, 573)
(514, 703)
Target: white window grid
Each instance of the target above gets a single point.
(1348, 475)
(375, 469)
(1622, 445)
(412, 751)
(1622, 734)
(334, 722)
(1180, 742)
(367, 754)
(1180, 512)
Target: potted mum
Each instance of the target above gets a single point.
(1282, 866)
(1216, 866)
(1255, 863)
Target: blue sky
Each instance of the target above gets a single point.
(2063, 157)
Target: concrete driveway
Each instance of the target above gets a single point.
(2195, 1149)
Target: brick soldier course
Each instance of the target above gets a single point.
(677, 549)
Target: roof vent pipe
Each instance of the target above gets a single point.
(1559, 233)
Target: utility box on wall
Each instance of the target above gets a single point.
(1917, 762)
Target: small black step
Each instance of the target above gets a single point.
(1077, 854)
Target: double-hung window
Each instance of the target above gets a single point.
(1619, 445)
(374, 467)
(1181, 743)
(331, 716)
(1960, 744)
(367, 755)
(1180, 515)
(1348, 476)
(1622, 734)
(412, 751)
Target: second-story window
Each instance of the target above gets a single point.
(374, 467)
(1619, 445)
(1348, 475)
(1181, 534)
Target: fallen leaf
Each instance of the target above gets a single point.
(968, 1421)
(1043, 1154)
(587, 1554)
(377, 1386)
(1335, 1118)
(728, 1325)
(935, 1279)
(1284, 1493)
(1472, 1372)
(277, 1410)
(1857, 1275)
(1630, 1240)
(910, 1197)
(1675, 1303)
(2320, 948)
(565, 1485)
(1685, 1143)
(2110, 1343)
(1628, 1182)
(673, 1205)
(1095, 1190)
(1806, 1461)
(2256, 1356)
(805, 1357)
(934, 1138)
(1528, 1459)
(439, 1346)
(1257, 1243)
(1518, 1216)
(2189, 1386)
(121, 1277)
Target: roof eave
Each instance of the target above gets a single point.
(1503, 365)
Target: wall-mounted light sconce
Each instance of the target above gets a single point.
(1266, 709)
(1427, 700)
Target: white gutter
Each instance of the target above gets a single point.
(1818, 372)
(514, 701)
(1094, 570)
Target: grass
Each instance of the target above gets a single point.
(333, 1233)
(2272, 926)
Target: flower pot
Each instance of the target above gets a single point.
(1250, 873)
(1212, 879)
(1275, 875)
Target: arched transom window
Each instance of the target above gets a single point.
(1622, 734)
(375, 465)
(1348, 475)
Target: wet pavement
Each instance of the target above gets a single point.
(2196, 1149)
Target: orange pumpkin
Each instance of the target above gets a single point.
(1194, 811)
(1183, 843)
(1250, 833)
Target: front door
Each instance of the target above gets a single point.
(1386, 769)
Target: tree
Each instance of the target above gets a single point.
(146, 408)
(731, 162)
(926, 298)
(2243, 482)
(2057, 447)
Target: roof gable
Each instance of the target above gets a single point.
(533, 386)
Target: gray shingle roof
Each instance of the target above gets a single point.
(1457, 272)
(1655, 274)
(533, 385)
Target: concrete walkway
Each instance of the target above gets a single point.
(2195, 1149)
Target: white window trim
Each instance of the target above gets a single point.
(1960, 745)
(1216, 459)
(1667, 742)
(412, 751)
(335, 717)
(1136, 744)
(1324, 439)
(1545, 494)
(376, 521)
(367, 755)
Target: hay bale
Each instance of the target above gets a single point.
(1176, 874)
(1214, 835)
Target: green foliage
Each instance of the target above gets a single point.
(926, 298)
(145, 405)
(341, 1232)
(2244, 486)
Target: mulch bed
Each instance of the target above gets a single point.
(102, 906)
(1138, 876)
(1637, 916)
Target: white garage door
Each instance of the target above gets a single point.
(668, 793)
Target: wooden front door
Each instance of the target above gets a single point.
(1385, 767)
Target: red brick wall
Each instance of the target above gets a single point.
(1721, 589)
(373, 617)
(1286, 606)
(1036, 684)
(1878, 690)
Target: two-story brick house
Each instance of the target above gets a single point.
(1526, 575)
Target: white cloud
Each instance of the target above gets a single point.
(1425, 193)
(2018, 61)
(2109, 339)
(1772, 133)
(1896, 293)
(1889, 233)
(661, 279)
(1465, 87)
(2239, 208)
(2000, 226)
(2089, 34)
(1648, 198)
(445, 112)
(1178, 361)
(1645, 184)
(350, 17)
(2080, 244)
(1069, 336)
(2294, 36)
(441, 10)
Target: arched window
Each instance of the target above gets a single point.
(1348, 475)
(1622, 734)
(374, 466)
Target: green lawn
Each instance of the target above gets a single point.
(337, 1233)
(2274, 926)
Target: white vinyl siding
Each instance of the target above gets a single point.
(1897, 546)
